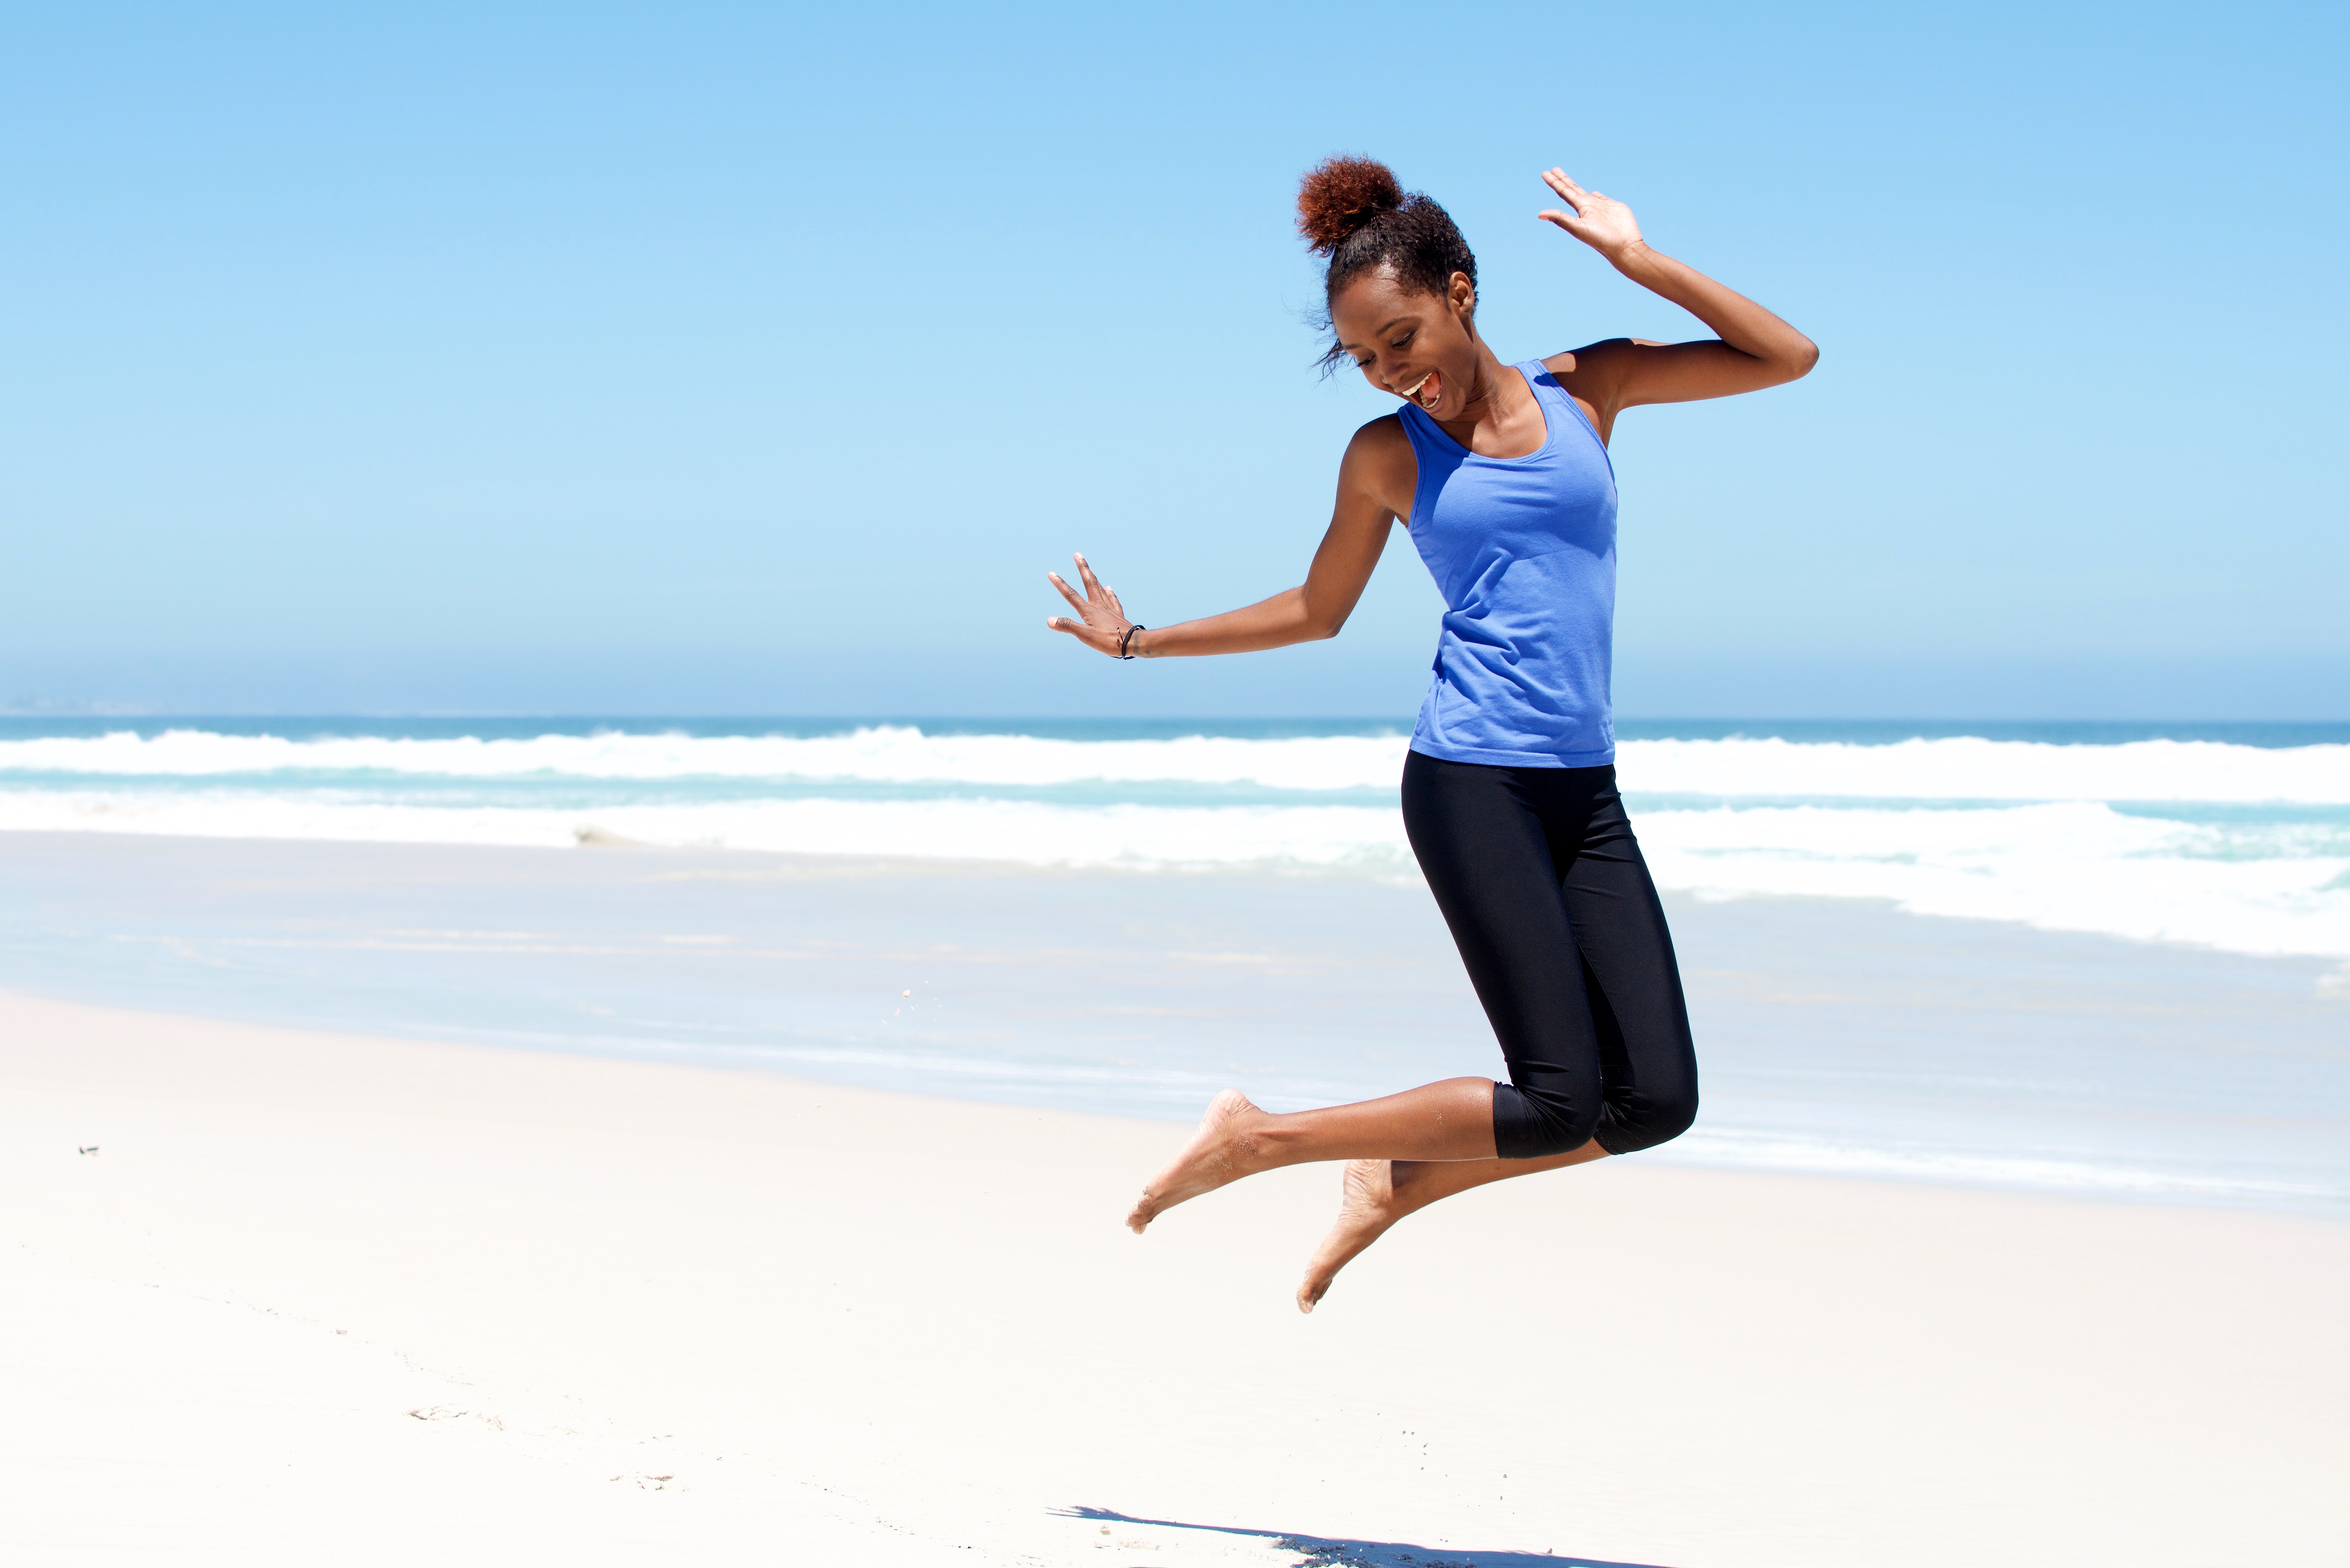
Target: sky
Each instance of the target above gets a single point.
(728, 358)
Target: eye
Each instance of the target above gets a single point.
(1364, 364)
(1404, 341)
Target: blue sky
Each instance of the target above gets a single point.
(729, 358)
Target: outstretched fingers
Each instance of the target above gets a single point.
(1076, 629)
(1100, 616)
(1595, 218)
(1095, 593)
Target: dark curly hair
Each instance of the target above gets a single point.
(1354, 211)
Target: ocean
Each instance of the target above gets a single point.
(2228, 837)
(2088, 958)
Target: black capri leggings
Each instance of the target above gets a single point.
(1540, 879)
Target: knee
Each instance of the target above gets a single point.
(1656, 1120)
(1675, 1116)
(1534, 1124)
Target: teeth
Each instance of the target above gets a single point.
(1412, 391)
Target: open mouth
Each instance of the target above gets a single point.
(1428, 391)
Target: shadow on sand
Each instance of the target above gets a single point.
(1331, 1552)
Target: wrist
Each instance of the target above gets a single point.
(1631, 257)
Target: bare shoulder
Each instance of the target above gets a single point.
(1595, 363)
(1380, 465)
(1380, 436)
(1594, 376)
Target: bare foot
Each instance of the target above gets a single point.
(1217, 1154)
(1367, 1207)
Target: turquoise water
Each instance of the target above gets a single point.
(2131, 974)
(2233, 836)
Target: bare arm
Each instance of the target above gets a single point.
(1752, 349)
(1378, 471)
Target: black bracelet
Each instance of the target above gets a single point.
(1122, 642)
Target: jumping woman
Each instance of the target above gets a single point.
(1500, 473)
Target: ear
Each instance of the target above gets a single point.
(1461, 295)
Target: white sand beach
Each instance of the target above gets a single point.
(320, 1298)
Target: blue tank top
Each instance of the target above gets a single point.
(1524, 551)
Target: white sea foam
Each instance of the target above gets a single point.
(2277, 887)
(1142, 838)
(1967, 767)
(2016, 830)
(877, 754)
(2076, 866)
(1958, 768)
(1752, 1148)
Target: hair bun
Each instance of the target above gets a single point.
(1340, 195)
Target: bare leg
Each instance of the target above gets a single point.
(1376, 1193)
(1450, 1120)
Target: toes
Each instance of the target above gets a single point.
(1143, 1212)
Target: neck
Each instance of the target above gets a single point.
(1494, 395)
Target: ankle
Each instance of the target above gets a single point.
(1264, 1138)
(1408, 1181)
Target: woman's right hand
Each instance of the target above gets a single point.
(1599, 221)
(1101, 624)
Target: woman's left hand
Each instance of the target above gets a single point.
(1101, 624)
(1601, 221)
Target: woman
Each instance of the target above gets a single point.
(1500, 474)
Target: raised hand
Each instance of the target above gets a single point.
(1101, 621)
(1601, 221)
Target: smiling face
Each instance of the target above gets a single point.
(1420, 347)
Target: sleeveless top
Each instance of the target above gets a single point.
(1524, 551)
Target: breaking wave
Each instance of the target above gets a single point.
(2234, 846)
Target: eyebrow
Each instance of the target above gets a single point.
(1386, 326)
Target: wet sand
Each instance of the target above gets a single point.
(1838, 1036)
